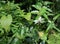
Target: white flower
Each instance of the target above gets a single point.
(40, 20)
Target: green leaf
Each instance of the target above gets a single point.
(47, 3)
(54, 38)
(35, 12)
(56, 17)
(16, 41)
(28, 16)
(45, 16)
(6, 22)
(37, 6)
(56, 29)
(50, 26)
(1, 32)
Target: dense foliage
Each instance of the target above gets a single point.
(29, 22)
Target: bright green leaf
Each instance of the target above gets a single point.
(6, 22)
(28, 16)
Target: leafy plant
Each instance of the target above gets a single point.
(29, 22)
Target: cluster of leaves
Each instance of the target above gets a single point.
(34, 23)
